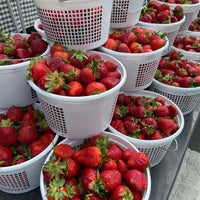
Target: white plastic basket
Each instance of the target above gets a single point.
(184, 98)
(190, 11)
(14, 89)
(76, 24)
(140, 67)
(24, 177)
(171, 30)
(40, 31)
(125, 13)
(124, 144)
(155, 149)
(80, 117)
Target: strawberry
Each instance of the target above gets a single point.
(138, 161)
(64, 55)
(162, 111)
(122, 167)
(136, 179)
(148, 126)
(168, 126)
(38, 47)
(33, 36)
(57, 47)
(47, 137)
(156, 135)
(109, 165)
(135, 47)
(63, 151)
(95, 88)
(131, 127)
(22, 53)
(37, 147)
(128, 37)
(6, 156)
(19, 159)
(93, 155)
(87, 75)
(73, 168)
(122, 192)
(15, 114)
(110, 82)
(88, 179)
(74, 88)
(114, 152)
(37, 69)
(119, 126)
(127, 153)
(123, 47)
(8, 134)
(56, 63)
(78, 58)
(110, 44)
(111, 66)
(27, 134)
(108, 181)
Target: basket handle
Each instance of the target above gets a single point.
(175, 148)
(117, 5)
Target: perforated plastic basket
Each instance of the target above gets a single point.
(170, 29)
(124, 144)
(76, 24)
(24, 177)
(125, 13)
(14, 89)
(184, 98)
(140, 67)
(155, 149)
(80, 117)
(190, 11)
(40, 31)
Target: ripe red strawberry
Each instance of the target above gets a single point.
(56, 63)
(73, 168)
(111, 66)
(110, 82)
(135, 47)
(93, 155)
(128, 37)
(64, 55)
(131, 127)
(114, 152)
(148, 126)
(57, 47)
(109, 165)
(156, 135)
(64, 151)
(162, 111)
(47, 137)
(168, 126)
(37, 69)
(127, 153)
(38, 47)
(87, 75)
(37, 147)
(109, 180)
(136, 179)
(123, 47)
(27, 134)
(122, 192)
(74, 88)
(8, 134)
(119, 126)
(138, 161)
(122, 167)
(95, 88)
(110, 44)
(6, 156)
(15, 113)
(88, 179)
(22, 53)
(19, 159)
(33, 36)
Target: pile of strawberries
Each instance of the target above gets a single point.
(24, 134)
(144, 117)
(74, 73)
(178, 71)
(195, 24)
(181, 1)
(17, 46)
(154, 12)
(135, 40)
(98, 170)
(187, 42)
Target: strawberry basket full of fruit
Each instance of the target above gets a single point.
(148, 120)
(189, 46)
(162, 18)
(25, 141)
(191, 9)
(78, 97)
(178, 78)
(125, 13)
(76, 24)
(139, 49)
(16, 52)
(105, 166)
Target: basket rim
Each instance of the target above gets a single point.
(183, 5)
(147, 170)
(186, 52)
(163, 25)
(153, 142)
(31, 161)
(85, 98)
(36, 23)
